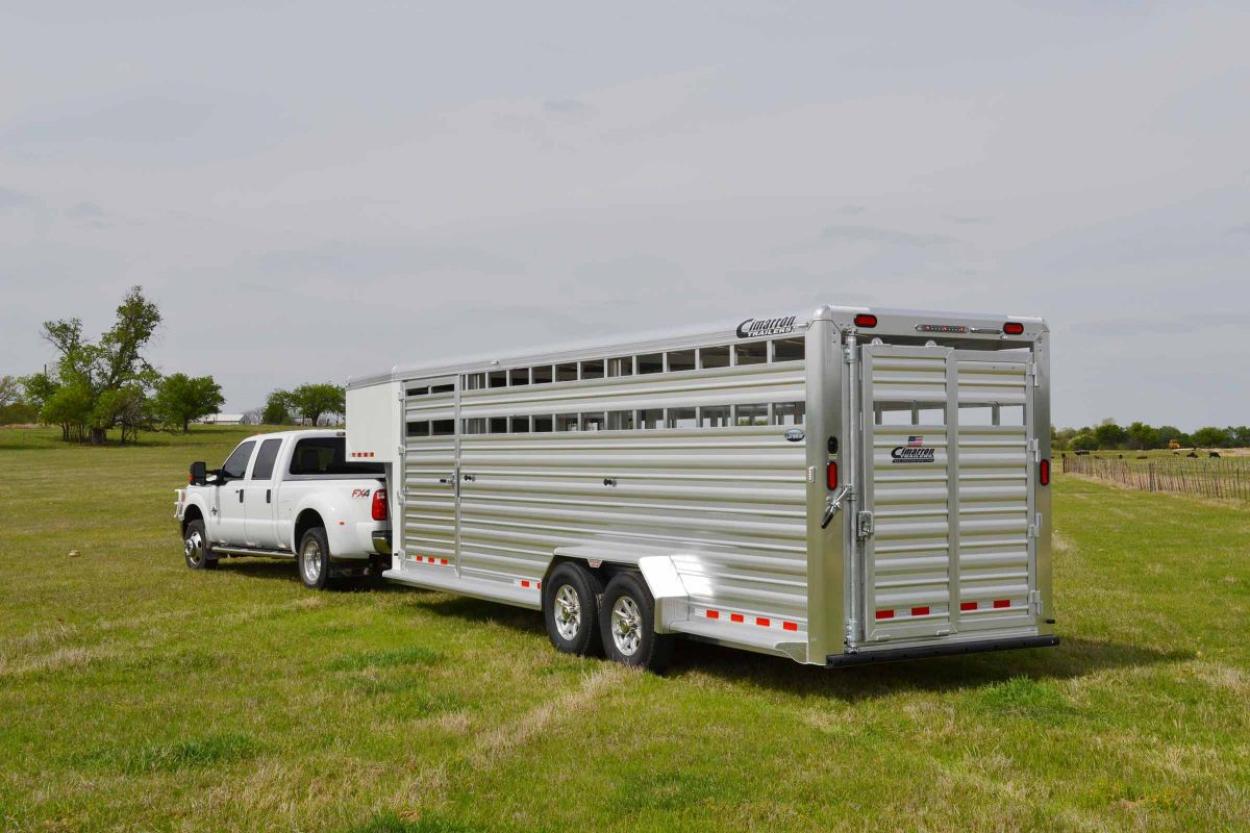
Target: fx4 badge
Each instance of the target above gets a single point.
(361, 492)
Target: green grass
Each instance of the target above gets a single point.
(137, 695)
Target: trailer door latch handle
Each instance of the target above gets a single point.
(832, 505)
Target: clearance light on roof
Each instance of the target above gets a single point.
(1013, 328)
(866, 319)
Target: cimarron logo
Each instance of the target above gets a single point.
(754, 327)
(912, 454)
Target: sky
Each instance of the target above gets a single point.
(314, 190)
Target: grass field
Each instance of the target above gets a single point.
(138, 695)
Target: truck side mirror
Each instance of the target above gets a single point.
(199, 473)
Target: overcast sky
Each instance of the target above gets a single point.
(312, 191)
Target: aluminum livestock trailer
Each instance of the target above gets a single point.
(842, 487)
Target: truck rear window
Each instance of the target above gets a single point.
(327, 455)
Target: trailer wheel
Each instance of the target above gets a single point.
(314, 559)
(571, 609)
(195, 547)
(627, 620)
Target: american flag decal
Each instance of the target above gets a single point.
(915, 441)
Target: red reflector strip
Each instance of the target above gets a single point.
(713, 614)
(736, 617)
(920, 611)
(524, 583)
(967, 605)
(430, 558)
(885, 614)
(790, 626)
(998, 603)
(762, 622)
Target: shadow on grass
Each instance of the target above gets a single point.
(285, 569)
(1073, 657)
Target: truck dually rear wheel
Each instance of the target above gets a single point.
(314, 559)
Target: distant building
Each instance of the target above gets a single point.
(223, 419)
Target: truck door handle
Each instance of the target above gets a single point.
(239, 492)
(269, 496)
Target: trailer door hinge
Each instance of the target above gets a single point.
(1035, 528)
(1035, 449)
(1033, 373)
(1035, 602)
(863, 524)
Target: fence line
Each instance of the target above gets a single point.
(1225, 478)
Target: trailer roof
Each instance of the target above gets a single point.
(723, 331)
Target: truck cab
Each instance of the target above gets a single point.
(291, 494)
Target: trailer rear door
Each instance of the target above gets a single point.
(947, 525)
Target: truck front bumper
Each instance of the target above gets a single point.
(940, 650)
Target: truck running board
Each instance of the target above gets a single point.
(940, 650)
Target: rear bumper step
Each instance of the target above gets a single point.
(942, 650)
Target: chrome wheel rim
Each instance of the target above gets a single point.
(568, 612)
(311, 561)
(193, 548)
(626, 626)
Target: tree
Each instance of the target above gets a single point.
(1085, 440)
(91, 370)
(1241, 436)
(1211, 437)
(182, 398)
(1110, 435)
(1142, 436)
(314, 400)
(10, 391)
(278, 408)
(1167, 433)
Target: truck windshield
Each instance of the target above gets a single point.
(327, 455)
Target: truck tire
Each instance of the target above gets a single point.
(571, 610)
(627, 620)
(195, 547)
(314, 559)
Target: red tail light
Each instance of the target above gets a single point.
(1013, 328)
(1043, 472)
(866, 319)
(831, 476)
(379, 504)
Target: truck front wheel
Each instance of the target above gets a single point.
(195, 547)
(314, 559)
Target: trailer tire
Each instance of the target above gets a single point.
(627, 621)
(313, 560)
(571, 597)
(196, 550)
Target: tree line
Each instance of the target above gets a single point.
(96, 386)
(1139, 436)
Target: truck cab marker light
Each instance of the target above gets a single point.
(1013, 328)
(866, 320)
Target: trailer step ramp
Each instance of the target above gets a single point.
(497, 591)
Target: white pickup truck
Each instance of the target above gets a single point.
(289, 494)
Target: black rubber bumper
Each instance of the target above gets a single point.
(940, 650)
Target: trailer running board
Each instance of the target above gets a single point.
(940, 650)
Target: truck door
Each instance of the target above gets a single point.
(229, 528)
(429, 488)
(260, 499)
(947, 527)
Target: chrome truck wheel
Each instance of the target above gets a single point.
(571, 594)
(195, 549)
(314, 559)
(628, 624)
